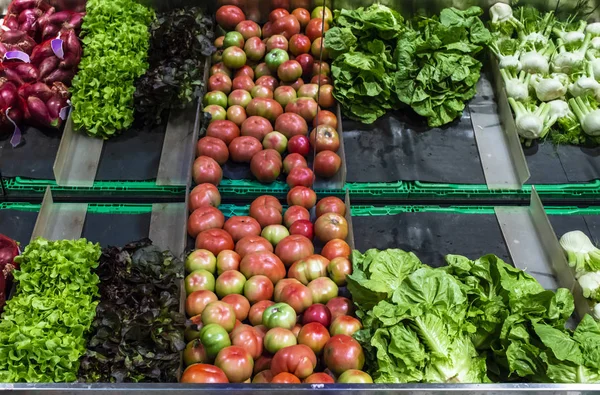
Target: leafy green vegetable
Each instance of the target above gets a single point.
(115, 37)
(138, 330)
(43, 328)
(180, 41)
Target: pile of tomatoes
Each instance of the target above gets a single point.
(264, 307)
(260, 105)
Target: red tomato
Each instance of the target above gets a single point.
(285, 378)
(335, 248)
(319, 378)
(308, 269)
(325, 138)
(326, 99)
(214, 240)
(344, 325)
(243, 148)
(197, 301)
(342, 353)
(294, 248)
(266, 210)
(279, 287)
(250, 244)
(315, 28)
(263, 363)
(228, 260)
(299, 144)
(302, 15)
(263, 377)
(320, 79)
(278, 13)
(207, 170)
(266, 165)
(325, 117)
(248, 338)
(243, 82)
(257, 310)
(317, 313)
(204, 218)
(314, 335)
(291, 124)
(302, 196)
(257, 127)
(258, 288)
(236, 363)
(224, 130)
(298, 296)
(287, 26)
(331, 204)
(304, 228)
(340, 306)
(203, 373)
(299, 360)
(268, 108)
(265, 263)
(295, 213)
(204, 195)
(229, 16)
(327, 164)
(246, 70)
(240, 305)
(331, 226)
(300, 176)
(214, 148)
(242, 226)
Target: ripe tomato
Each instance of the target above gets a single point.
(240, 305)
(336, 248)
(298, 296)
(204, 218)
(236, 363)
(300, 176)
(338, 269)
(315, 28)
(327, 164)
(299, 360)
(223, 130)
(194, 353)
(314, 335)
(342, 353)
(214, 148)
(206, 169)
(330, 204)
(293, 248)
(258, 288)
(203, 373)
(228, 260)
(266, 210)
(265, 263)
(293, 161)
(325, 117)
(219, 313)
(197, 301)
(257, 127)
(277, 13)
(230, 282)
(324, 137)
(285, 378)
(241, 226)
(295, 213)
(340, 306)
(317, 313)
(331, 226)
(243, 148)
(250, 244)
(302, 196)
(291, 124)
(228, 16)
(319, 378)
(344, 325)
(262, 377)
(304, 228)
(214, 240)
(308, 269)
(323, 289)
(204, 195)
(257, 310)
(286, 26)
(248, 338)
(266, 165)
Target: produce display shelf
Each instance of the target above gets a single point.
(363, 211)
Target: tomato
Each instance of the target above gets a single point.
(275, 233)
(331, 226)
(338, 269)
(214, 338)
(325, 117)
(306, 61)
(299, 360)
(355, 376)
(258, 288)
(219, 313)
(241, 226)
(204, 195)
(318, 50)
(302, 15)
(277, 13)
(257, 310)
(309, 90)
(291, 124)
(243, 148)
(240, 304)
(224, 130)
(342, 353)
(277, 42)
(261, 329)
(266, 165)
(234, 57)
(248, 29)
(248, 338)
(267, 30)
(214, 240)
(293, 161)
(319, 378)
(298, 296)
(300, 176)
(317, 313)
(326, 98)
(325, 138)
(284, 95)
(194, 353)
(233, 39)
(220, 68)
(207, 170)
(279, 315)
(295, 213)
(263, 377)
(314, 335)
(236, 363)
(203, 373)
(198, 300)
(315, 28)
(344, 325)
(306, 107)
(276, 57)
(280, 286)
(268, 81)
(336, 248)
(230, 282)
(321, 12)
(262, 91)
(244, 83)
(199, 280)
(229, 16)
(285, 378)
(320, 79)
(228, 260)
(255, 49)
(340, 306)
(293, 248)
(265, 263)
(257, 127)
(200, 259)
(239, 97)
(252, 243)
(261, 70)
(216, 98)
(323, 289)
(267, 108)
(321, 68)
(266, 210)
(220, 82)
(214, 148)
(303, 228)
(302, 196)
(278, 338)
(289, 71)
(217, 113)
(327, 164)
(192, 331)
(299, 44)
(308, 269)
(236, 114)
(245, 71)
(276, 141)
(330, 204)
(286, 26)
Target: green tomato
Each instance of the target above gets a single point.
(215, 97)
(233, 39)
(276, 57)
(214, 338)
(279, 315)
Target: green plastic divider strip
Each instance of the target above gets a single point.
(19, 184)
(92, 208)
